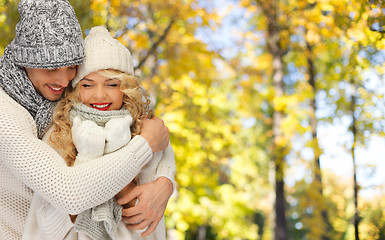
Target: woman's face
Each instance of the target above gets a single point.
(50, 83)
(100, 92)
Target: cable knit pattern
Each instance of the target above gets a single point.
(48, 35)
(26, 161)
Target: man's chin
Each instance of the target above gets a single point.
(54, 98)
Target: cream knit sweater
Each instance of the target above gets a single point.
(44, 221)
(28, 163)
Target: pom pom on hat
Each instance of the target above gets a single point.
(103, 52)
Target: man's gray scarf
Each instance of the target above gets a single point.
(15, 82)
(100, 222)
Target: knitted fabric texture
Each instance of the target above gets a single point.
(28, 163)
(97, 116)
(48, 35)
(15, 82)
(103, 52)
(100, 222)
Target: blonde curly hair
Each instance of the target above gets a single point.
(134, 100)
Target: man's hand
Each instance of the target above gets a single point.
(156, 133)
(126, 190)
(153, 198)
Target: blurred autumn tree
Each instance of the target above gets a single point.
(196, 102)
(313, 48)
(9, 16)
(241, 123)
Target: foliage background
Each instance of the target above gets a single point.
(246, 88)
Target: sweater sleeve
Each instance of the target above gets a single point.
(70, 189)
(165, 167)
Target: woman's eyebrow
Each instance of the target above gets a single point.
(87, 79)
(112, 79)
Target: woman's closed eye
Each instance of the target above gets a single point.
(86, 85)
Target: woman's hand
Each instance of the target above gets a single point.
(153, 198)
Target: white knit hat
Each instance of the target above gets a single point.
(103, 52)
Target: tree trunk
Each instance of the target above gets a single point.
(269, 9)
(278, 156)
(316, 148)
(201, 233)
(356, 219)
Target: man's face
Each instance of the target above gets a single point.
(50, 83)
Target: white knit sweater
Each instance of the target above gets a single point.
(28, 163)
(44, 221)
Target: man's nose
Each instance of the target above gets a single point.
(63, 77)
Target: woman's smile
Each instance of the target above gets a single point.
(101, 106)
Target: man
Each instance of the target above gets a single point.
(34, 70)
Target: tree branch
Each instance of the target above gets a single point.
(156, 44)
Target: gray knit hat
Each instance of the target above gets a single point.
(48, 35)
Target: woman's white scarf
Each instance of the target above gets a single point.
(100, 222)
(97, 116)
